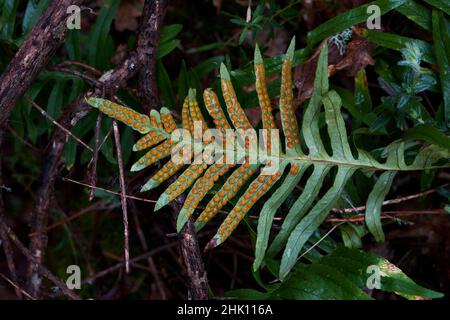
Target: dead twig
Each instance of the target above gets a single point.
(393, 201)
(123, 198)
(133, 260)
(66, 131)
(87, 67)
(390, 215)
(16, 287)
(92, 172)
(67, 219)
(108, 191)
(92, 81)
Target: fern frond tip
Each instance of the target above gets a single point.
(181, 221)
(163, 200)
(192, 94)
(258, 57)
(291, 49)
(151, 184)
(224, 74)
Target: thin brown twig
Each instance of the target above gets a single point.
(45, 114)
(357, 218)
(16, 287)
(80, 64)
(50, 168)
(92, 81)
(135, 264)
(319, 241)
(92, 178)
(66, 220)
(390, 215)
(123, 197)
(132, 260)
(106, 190)
(393, 201)
(21, 139)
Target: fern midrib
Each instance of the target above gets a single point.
(312, 160)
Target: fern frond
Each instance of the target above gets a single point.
(128, 116)
(308, 210)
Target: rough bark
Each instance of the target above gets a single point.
(33, 55)
(198, 280)
(192, 257)
(148, 54)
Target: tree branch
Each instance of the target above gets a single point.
(190, 250)
(147, 48)
(34, 54)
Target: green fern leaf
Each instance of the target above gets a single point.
(308, 211)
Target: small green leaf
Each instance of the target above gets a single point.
(428, 133)
(374, 203)
(363, 100)
(167, 47)
(100, 40)
(416, 12)
(443, 5)
(165, 86)
(8, 18)
(348, 19)
(396, 42)
(169, 32)
(32, 13)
